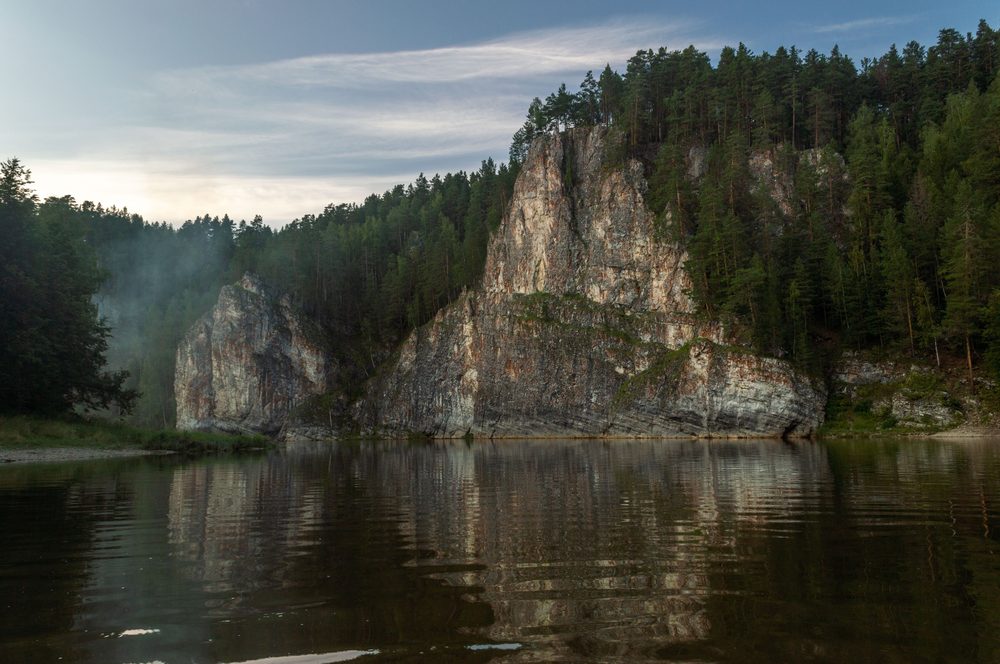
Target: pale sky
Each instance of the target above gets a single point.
(278, 108)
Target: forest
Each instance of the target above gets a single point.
(890, 237)
(887, 241)
(367, 273)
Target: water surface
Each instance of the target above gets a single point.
(735, 551)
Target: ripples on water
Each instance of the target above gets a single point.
(624, 551)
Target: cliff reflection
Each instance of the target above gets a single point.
(579, 551)
(572, 545)
(593, 548)
(307, 547)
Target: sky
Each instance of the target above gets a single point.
(180, 108)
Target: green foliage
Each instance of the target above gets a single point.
(991, 334)
(852, 416)
(807, 100)
(921, 385)
(615, 151)
(661, 372)
(897, 268)
(588, 321)
(671, 194)
(367, 274)
(52, 343)
(31, 431)
(892, 245)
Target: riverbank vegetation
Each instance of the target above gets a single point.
(24, 431)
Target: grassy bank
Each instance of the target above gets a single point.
(20, 432)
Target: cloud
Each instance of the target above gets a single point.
(865, 24)
(285, 138)
(533, 53)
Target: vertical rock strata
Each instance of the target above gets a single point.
(246, 364)
(583, 327)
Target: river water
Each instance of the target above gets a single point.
(630, 551)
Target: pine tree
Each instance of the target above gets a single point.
(52, 345)
(798, 310)
(966, 269)
(899, 278)
(991, 334)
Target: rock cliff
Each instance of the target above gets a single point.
(583, 327)
(246, 364)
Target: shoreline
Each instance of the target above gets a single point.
(969, 431)
(58, 454)
(27, 439)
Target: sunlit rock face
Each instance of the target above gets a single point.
(246, 364)
(583, 327)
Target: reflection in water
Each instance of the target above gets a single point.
(591, 548)
(620, 551)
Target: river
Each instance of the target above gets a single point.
(630, 551)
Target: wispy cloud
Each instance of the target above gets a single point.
(865, 24)
(534, 53)
(285, 138)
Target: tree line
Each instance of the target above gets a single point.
(368, 273)
(885, 235)
(52, 344)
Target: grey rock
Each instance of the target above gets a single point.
(933, 411)
(776, 182)
(247, 364)
(583, 326)
(697, 162)
(913, 396)
(856, 368)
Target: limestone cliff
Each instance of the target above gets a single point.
(583, 326)
(246, 364)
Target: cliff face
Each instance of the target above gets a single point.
(246, 364)
(582, 326)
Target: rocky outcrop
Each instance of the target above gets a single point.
(247, 364)
(900, 398)
(583, 327)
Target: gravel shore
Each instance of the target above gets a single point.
(970, 431)
(53, 454)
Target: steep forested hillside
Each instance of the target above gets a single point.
(890, 231)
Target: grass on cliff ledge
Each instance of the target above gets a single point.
(19, 432)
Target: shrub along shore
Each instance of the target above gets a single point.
(21, 437)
